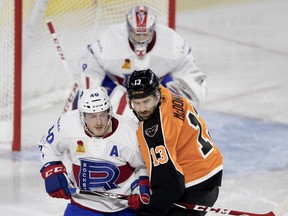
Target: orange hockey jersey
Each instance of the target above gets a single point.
(176, 140)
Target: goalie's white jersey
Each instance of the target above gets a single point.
(108, 164)
(110, 60)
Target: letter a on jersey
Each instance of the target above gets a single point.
(114, 151)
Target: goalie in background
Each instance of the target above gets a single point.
(183, 162)
(93, 149)
(138, 44)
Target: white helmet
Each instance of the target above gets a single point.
(141, 27)
(94, 100)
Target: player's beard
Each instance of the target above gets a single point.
(144, 115)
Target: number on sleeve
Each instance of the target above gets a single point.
(206, 145)
(50, 136)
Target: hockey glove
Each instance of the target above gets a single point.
(135, 201)
(55, 176)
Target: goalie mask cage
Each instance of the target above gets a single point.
(31, 72)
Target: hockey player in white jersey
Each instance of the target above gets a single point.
(139, 44)
(102, 154)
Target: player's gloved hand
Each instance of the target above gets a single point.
(56, 184)
(135, 201)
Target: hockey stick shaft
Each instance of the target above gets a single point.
(98, 193)
(65, 65)
(58, 48)
(280, 210)
(217, 210)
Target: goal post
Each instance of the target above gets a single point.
(172, 14)
(18, 76)
(10, 72)
(31, 73)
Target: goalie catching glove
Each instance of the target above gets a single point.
(191, 84)
(142, 196)
(55, 176)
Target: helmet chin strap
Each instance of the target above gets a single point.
(107, 125)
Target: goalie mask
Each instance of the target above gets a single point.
(142, 84)
(141, 26)
(94, 101)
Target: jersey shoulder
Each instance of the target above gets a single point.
(126, 122)
(111, 43)
(174, 106)
(169, 39)
(163, 29)
(69, 123)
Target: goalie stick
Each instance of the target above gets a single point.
(64, 62)
(279, 211)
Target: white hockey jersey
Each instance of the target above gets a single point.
(108, 164)
(170, 57)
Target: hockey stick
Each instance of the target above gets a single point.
(98, 193)
(64, 62)
(279, 211)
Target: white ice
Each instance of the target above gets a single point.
(243, 49)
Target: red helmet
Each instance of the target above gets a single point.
(141, 26)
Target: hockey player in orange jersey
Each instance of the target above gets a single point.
(183, 163)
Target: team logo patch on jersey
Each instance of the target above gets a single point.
(80, 147)
(126, 64)
(150, 132)
(98, 174)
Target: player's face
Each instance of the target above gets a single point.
(144, 107)
(141, 38)
(97, 123)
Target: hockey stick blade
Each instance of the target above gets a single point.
(279, 211)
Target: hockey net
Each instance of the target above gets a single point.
(44, 80)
